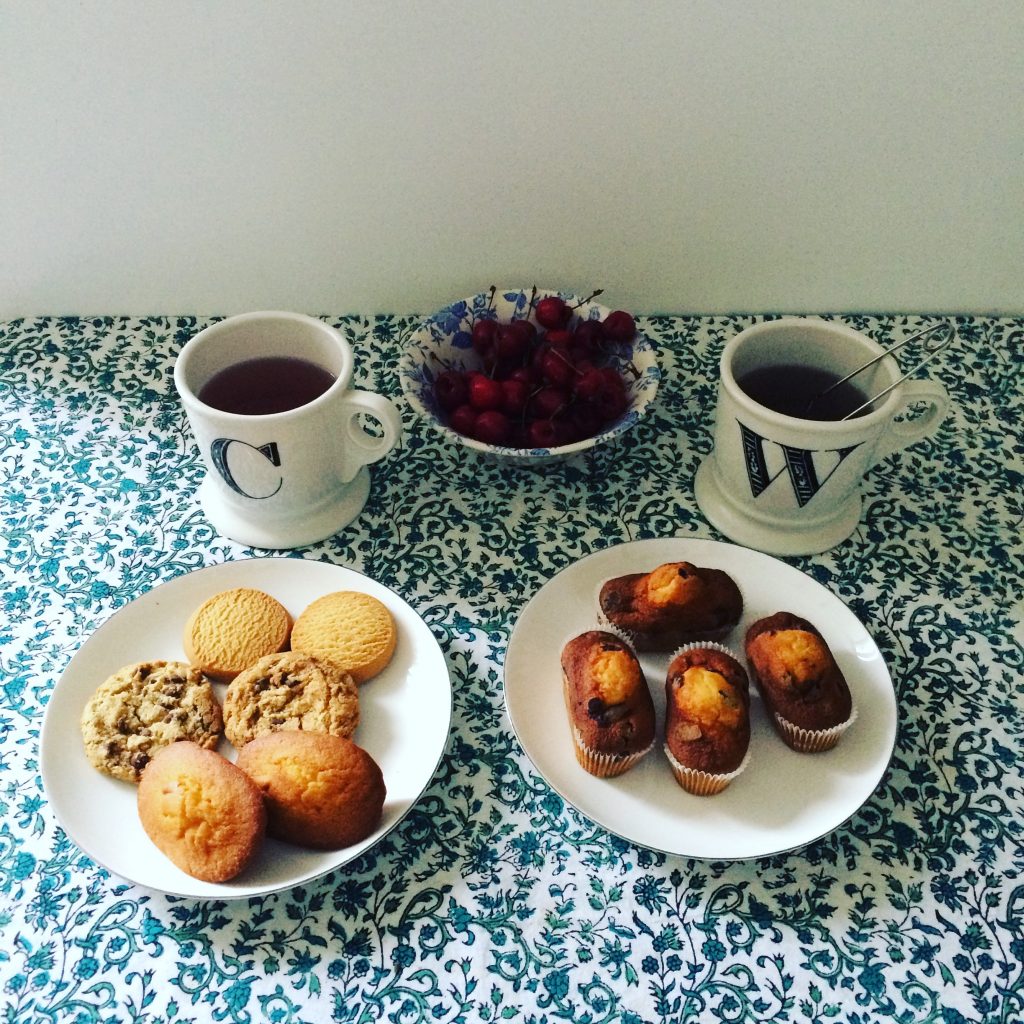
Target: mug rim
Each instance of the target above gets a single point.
(191, 398)
(727, 379)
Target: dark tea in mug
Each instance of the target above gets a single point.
(259, 387)
(794, 390)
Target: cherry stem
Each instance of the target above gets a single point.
(555, 352)
(589, 298)
(441, 362)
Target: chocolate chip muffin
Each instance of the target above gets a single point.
(800, 682)
(707, 718)
(611, 712)
(674, 604)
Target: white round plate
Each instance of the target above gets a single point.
(404, 721)
(783, 800)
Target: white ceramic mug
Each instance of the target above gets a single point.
(283, 479)
(788, 485)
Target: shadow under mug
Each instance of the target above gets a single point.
(284, 479)
(791, 486)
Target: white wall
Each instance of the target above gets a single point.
(367, 156)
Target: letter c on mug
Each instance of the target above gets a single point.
(246, 468)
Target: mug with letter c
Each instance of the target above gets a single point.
(281, 432)
(790, 447)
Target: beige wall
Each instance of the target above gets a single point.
(214, 157)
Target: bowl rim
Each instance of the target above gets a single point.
(640, 401)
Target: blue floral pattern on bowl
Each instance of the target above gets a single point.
(444, 340)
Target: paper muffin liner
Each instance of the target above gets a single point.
(696, 645)
(603, 622)
(605, 766)
(702, 783)
(623, 634)
(812, 741)
(604, 627)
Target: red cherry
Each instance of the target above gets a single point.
(492, 427)
(450, 389)
(612, 379)
(540, 351)
(584, 422)
(582, 366)
(463, 419)
(556, 369)
(513, 343)
(484, 337)
(543, 434)
(522, 328)
(526, 375)
(514, 396)
(547, 403)
(560, 338)
(484, 393)
(589, 332)
(587, 339)
(611, 404)
(605, 389)
(519, 435)
(553, 312)
(590, 384)
(619, 327)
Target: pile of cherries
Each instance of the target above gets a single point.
(539, 388)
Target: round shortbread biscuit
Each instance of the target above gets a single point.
(321, 791)
(290, 691)
(353, 630)
(143, 708)
(234, 629)
(203, 813)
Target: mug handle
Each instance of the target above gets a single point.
(359, 447)
(902, 433)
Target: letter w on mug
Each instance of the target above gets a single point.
(281, 432)
(785, 472)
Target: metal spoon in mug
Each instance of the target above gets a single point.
(932, 353)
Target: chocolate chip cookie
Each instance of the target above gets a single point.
(143, 708)
(290, 691)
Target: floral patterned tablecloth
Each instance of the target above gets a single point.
(494, 899)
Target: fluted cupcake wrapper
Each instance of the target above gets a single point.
(812, 741)
(605, 766)
(605, 624)
(697, 645)
(605, 627)
(702, 783)
(623, 634)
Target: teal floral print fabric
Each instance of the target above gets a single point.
(493, 899)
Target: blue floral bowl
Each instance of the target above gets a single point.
(443, 341)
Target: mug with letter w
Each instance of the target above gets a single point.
(282, 434)
(791, 447)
